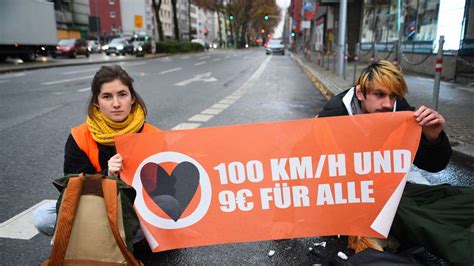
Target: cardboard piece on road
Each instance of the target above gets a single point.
(310, 177)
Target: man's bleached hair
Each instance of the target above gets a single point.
(385, 73)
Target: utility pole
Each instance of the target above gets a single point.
(341, 40)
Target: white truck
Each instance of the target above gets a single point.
(27, 28)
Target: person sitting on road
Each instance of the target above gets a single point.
(115, 108)
(435, 217)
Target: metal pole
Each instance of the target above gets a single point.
(438, 69)
(346, 57)
(341, 40)
(356, 61)
(400, 21)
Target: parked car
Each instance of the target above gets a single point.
(275, 46)
(94, 46)
(118, 46)
(71, 48)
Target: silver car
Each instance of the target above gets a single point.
(275, 46)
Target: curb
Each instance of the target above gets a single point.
(457, 146)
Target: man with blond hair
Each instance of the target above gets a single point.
(435, 217)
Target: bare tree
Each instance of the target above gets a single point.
(175, 19)
(159, 24)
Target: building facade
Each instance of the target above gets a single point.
(137, 17)
(105, 20)
(72, 18)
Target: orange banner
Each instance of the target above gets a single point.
(291, 179)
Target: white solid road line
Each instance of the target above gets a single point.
(200, 63)
(170, 70)
(134, 64)
(80, 71)
(21, 225)
(66, 80)
(83, 90)
(11, 75)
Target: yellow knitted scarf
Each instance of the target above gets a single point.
(104, 130)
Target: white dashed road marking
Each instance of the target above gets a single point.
(186, 126)
(80, 71)
(212, 111)
(200, 118)
(21, 225)
(200, 63)
(66, 80)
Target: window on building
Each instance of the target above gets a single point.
(112, 14)
(112, 2)
(380, 20)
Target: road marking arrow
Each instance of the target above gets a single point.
(204, 77)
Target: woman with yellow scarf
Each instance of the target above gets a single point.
(114, 109)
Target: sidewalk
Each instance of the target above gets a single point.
(459, 126)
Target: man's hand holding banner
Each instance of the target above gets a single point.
(312, 177)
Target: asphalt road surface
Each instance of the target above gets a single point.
(38, 108)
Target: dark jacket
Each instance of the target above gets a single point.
(76, 160)
(430, 156)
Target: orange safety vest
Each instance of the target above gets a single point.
(87, 144)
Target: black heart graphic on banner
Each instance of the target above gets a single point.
(172, 193)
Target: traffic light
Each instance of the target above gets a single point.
(262, 31)
(266, 17)
(293, 34)
(231, 17)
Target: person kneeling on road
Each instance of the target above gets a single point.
(435, 217)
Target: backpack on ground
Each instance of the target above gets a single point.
(96, 222)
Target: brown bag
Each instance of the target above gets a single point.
(89, 229)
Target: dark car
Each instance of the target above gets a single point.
(275, 46)
(118, 46)
(71, 48)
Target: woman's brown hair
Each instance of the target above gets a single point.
(107, 74)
